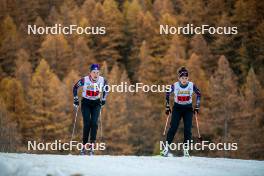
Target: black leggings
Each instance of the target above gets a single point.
(178, 112)
(90, 112)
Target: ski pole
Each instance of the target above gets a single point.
(197, 124)
(165, 128)
(101, 126)
(73, 129)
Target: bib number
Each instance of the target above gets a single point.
(183, 98)
(91, 93)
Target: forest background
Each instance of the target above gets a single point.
(37, 72)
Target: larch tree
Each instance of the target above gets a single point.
(214, 10)
(143, 117)
(70, 12)
(54, 17)
(198, 76)
(157, 43)
(23, 69)
(31, 8)
(32, 43)
(57, 52)
(13, 94)
(148, 71)
(131, 51)
(87, 8)
(173, 59)
(83, 56)
(199, 46)
(9, 135)
(48, 120)
(113, 40)
(107, 47)
(246, 19)
(46, 5)
(96, 19)
(116, 126)
(259, 50)
(251, 119)
(192, 12)
(69, 15)
(162, 42)
(161, 7)
(9, 43)
(223, 44)
(69, 81)
(225, 101)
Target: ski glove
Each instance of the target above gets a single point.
(76, 101)
(196, 110)
(168, 110)
(102, 102)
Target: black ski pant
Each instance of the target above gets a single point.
(179, 112)
(90, 112)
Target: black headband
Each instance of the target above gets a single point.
(183, 73)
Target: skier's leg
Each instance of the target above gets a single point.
(187, 120)
(95, 112)
(86, 113)
(174, 123)
(175, 120)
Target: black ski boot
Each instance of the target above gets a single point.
(83, 152)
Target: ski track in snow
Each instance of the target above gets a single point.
(12, 164)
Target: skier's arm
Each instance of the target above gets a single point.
(198, 96)
(105, 90)
(171, 90)
(76, 86)
(168, 110)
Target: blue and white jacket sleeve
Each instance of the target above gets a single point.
(105, 90)
(80, 83)
(198, 95)
(168, 92)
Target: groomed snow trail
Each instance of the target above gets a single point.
(12, 164)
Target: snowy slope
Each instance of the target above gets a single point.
(30, 164)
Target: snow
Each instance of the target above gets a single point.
(12, 164)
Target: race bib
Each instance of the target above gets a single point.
(183, 98)
(91, 93)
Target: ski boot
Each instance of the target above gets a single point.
(186, 153)
(91, 149)
(165, 152)
(83, 152)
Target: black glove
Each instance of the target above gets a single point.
(102, 102)
(168, 110)
(196, 110)
(76, 101)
